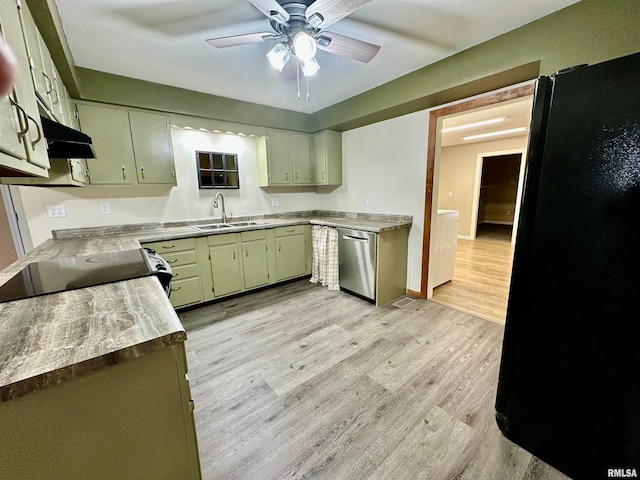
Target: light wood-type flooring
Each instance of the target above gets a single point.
(481, 277)
(298, 382)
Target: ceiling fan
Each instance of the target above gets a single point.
(298, 28)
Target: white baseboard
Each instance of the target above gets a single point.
(499, 223)
(465, 237)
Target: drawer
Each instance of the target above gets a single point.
(253, 235)
(292, 230)
(180, 258)
(185, 292)
(185, 271)
(172, 245)
(223, 239)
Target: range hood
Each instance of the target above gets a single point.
(65, 142)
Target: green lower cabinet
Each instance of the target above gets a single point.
(226, 269)
(254, 264)
(290, 256)
(185, 292)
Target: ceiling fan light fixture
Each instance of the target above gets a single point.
(309, 67)
(279, 56)
(304, 46)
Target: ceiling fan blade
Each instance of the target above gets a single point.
(330, 11)
(234, 40)
(268, 6)
(347, 46)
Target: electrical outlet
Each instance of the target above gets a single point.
(56, 211)
(105, 208)
(450, 193)
(275, 202)
(368, 201)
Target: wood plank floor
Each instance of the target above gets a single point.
(481, 278)
(299, 382)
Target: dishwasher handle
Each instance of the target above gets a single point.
(355, 239)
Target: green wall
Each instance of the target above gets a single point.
(590, 31)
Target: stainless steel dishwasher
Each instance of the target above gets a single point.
(357, 252)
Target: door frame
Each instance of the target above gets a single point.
(9, 206)
(477, 184)
(432, 137)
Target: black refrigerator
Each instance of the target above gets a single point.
(569, 384)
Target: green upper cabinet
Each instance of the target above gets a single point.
(327, 158)
(110, 134)
(284, 158)
(298, 159)
(301, 158)
(22, 146)
(152, 147)
(132, 146)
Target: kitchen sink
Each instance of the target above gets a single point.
(246, 224)
(219, 226)
(211, 226)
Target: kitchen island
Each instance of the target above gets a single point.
(93, 381)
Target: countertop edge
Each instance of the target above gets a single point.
(86, 367)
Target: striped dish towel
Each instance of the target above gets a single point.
(324, 267)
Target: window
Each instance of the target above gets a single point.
(217, 170)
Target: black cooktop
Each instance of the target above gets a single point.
(42, 278)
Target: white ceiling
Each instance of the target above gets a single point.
(517, 113)
(163, 41)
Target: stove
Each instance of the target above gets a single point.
(70, 273)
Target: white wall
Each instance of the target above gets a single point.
(158, 204)
(388, 162)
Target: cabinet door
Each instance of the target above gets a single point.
(279, 157)
(152, 147)
(33, 40)
(225, 268)
(290, 256)
(254, 263)
(327, 158)
(301, 158)
(185, 292)
(25, 116)
(109, 130)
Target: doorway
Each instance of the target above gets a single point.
(498, 187)
(9, 253)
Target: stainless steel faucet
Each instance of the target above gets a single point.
(219, 196)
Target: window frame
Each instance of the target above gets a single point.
(217, 171)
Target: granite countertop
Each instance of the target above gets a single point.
(48, 339)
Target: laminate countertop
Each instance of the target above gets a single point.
(50, 339)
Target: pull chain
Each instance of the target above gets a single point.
(298, 75)
(307, 88)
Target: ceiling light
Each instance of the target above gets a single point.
(474, 124)
(309, 67)
(304, 46)
(279, 56)
(495, 134)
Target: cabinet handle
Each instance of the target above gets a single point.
(322, 176)
(176, 275)
(124, 173)
(49, 83)
(37, 140)
(173, 245)
(176, 288)
(234, 253)
(286, 176)
(292, 230)
(296, 175)
(53, 89)
(24, 120)
(142, 171)
(246, 252)
(279, 247)
(172, 261)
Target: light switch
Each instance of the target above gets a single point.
(105, 208)
(275, 202)
(450, 193)
(368, 201)
(56, 211)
